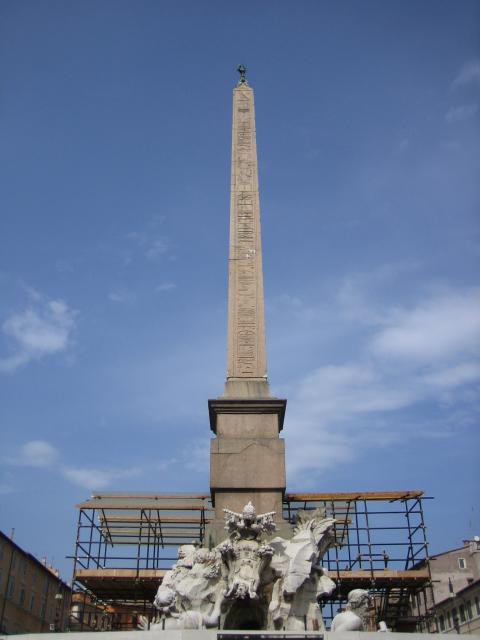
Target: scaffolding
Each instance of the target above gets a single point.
(380, 537)
(126, 542)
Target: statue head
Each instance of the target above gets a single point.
(165, 599)
(358, 600)
(185, 555)
(249, 512)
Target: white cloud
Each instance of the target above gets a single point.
(45, 328)
(35, 453)
(156, 248)
(96, 478)
(42, 455)
(462, 112)
(164, 287)
(454, 376)
(334, 412)
(355, 291)
(469, 74)
(438, 328)
(197, 457)
(320, 452)
(152, 246)
(138, 237)
(6, 488)
(7, 482)
(120, 295)
(38, 453)
(338, 391)
(425, 353)
(402, 146)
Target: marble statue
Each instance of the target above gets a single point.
(250, 578)
(245, 555)
(355, 614)
(248, 525)
(302, 581)
(191, 592)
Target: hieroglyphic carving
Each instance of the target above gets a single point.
(246, 310)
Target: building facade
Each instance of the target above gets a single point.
(33, 598)
(455, 594)
(460, 613)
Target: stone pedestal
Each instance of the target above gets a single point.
(247, 457)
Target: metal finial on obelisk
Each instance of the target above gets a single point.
(242, 70)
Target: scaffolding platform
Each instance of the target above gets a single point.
(127, 541)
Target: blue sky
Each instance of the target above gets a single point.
(115, 124)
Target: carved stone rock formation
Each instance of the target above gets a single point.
(250, 581)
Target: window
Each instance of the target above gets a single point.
(441, 620)
(32, 603)
(449, 620)
(477, 605)
(462, 563)
(462, 613)
(14, 560)
(21, 599)
(468, 606)
(11, 587)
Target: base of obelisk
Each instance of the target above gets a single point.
(247, 456)
(214, 634)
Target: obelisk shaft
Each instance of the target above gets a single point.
(246, 317)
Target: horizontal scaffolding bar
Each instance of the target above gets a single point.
(346, 497)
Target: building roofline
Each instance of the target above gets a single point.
(444, 553)
(432, 556)
(471, 585)
(34, 559)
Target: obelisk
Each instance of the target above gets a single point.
(247, 363)
(247, 459)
